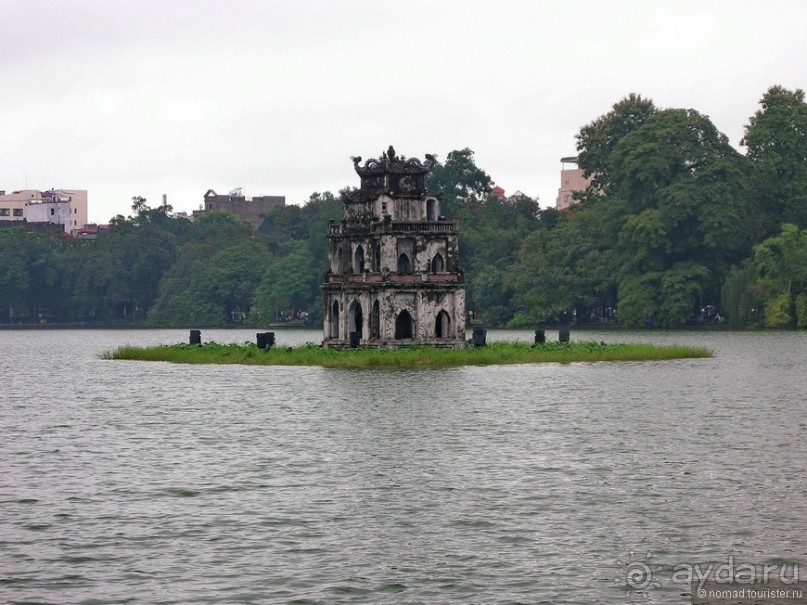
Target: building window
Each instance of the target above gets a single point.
(4, 212)
(438, 265)
(52, 211)
(355, 319)
(404, 266)
(375, 321)
(17, 212)
(403, 326)
(358, 260)
(335, 320)
(442, 325)
(431, 209)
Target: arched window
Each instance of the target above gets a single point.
(375, 321)
(438, 264)
(339, 259)
(355, 318)
(404, 265)
(431, 209)
(442, 327)
(376, 261)
(358, 260)
(335, 320)
(403, 326)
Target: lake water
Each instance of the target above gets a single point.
(136, 482)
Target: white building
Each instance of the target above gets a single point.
(64, 207)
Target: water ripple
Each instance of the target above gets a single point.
(153, 483)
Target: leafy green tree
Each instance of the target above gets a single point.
(219, 226)
(298, 232)
(680, 186)
(229, 278)
(638, 299)
(319, 210)
(681, 286)
(566, 267)
(801, 310)
(459, 181)
(776, 138)
(121, 277)
(287, 283)
(597, 141)
(781, 263)
(740, 297)
(491, 232)
(214, 276)
(15, 279)
(33, 274)
(285, 223)
(537, 282)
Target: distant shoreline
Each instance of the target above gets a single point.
(273, 326)
(139, 326)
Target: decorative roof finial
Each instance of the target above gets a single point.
(391, 152)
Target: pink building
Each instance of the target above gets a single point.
(64, 207)
(571, 180)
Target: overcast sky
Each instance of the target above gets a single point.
(178, 97)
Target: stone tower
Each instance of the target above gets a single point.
(394, 278)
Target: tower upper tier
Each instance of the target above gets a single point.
(391, 174)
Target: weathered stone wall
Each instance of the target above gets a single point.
(406, 209)
(394, 265)
(423, 305)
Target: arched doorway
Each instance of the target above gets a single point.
(358, 260)
(335, 319)
(403, 326)
(404, 265)
(442, 325)
(355, 318)
(438, 264)
(375, 321)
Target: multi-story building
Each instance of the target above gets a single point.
(394, 276)
(250, 210)
(571, 180)
(66, 208)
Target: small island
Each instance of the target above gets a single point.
(495, 353)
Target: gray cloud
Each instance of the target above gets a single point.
(145, 98)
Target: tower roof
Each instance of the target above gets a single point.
(389, 163)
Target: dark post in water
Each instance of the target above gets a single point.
(265, 340)
(196, 337)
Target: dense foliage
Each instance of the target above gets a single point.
(677, 226)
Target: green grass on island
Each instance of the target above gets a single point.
(497, 353)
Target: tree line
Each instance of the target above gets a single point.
(677, 226)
